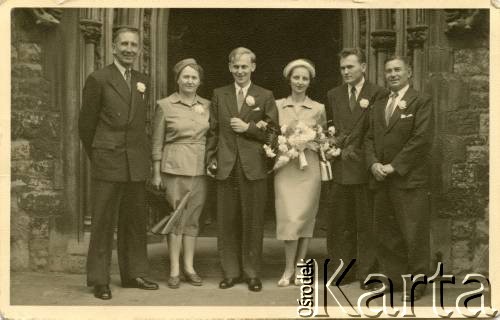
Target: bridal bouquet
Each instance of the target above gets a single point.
(297, 137)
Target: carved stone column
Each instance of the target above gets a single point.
(70, 108)
(91, 30)
(401, 16)
(384, 43)
(417, 35)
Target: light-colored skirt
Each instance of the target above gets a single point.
(187, 196)
(297, 198)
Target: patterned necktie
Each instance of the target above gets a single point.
(390, 108)
(127, 77)
(352, 99)
(239, 99)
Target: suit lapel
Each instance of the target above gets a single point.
(118, 83)
(409, 96)
(344, 100)
(379, 111)
(134, 96)
(245, 109)
(230, 101)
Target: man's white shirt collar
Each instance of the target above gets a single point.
(121, 68)
(401, 94)
(358, 87)
(245, 89)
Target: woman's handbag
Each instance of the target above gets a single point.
(325, 167)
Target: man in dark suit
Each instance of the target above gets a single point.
(235, 143)
(397, 153)
(112, 129)
(350, 225)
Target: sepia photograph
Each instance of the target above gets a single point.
(248, 162)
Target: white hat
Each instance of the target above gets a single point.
(300, 63)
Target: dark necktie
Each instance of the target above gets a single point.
(127, 77)
(352, 99)
(390, 108)
(239, 99)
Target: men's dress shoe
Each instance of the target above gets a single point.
(140, 283)
(254, 284)
(174, 282)
(229, 282)
(102, 292)
(193, 278)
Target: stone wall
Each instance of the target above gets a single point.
(36, 148)
(462, 206)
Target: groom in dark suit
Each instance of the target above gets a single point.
(234, 146)
(398, 147)
(112, 129)
(350, 227)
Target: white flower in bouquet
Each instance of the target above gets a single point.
(319, 129)
(269, 152)
(293, 153)
(284, 128)
(331, 130)
(283, 148)
(322, 136)
(282, 140)
(301, 136)
(282, 160)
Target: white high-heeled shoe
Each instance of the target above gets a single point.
(284, 282)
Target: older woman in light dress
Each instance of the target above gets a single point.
(180, 127)
(297, 191)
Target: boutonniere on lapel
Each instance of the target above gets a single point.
(198, 108)
(364, 103)
(250, 101)
(141, 87)
(402, 105)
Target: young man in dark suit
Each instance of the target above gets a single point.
(397, 153)
(350, 221)
(112, 129)
(234, 143)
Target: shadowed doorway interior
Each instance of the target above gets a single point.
(277, 36)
